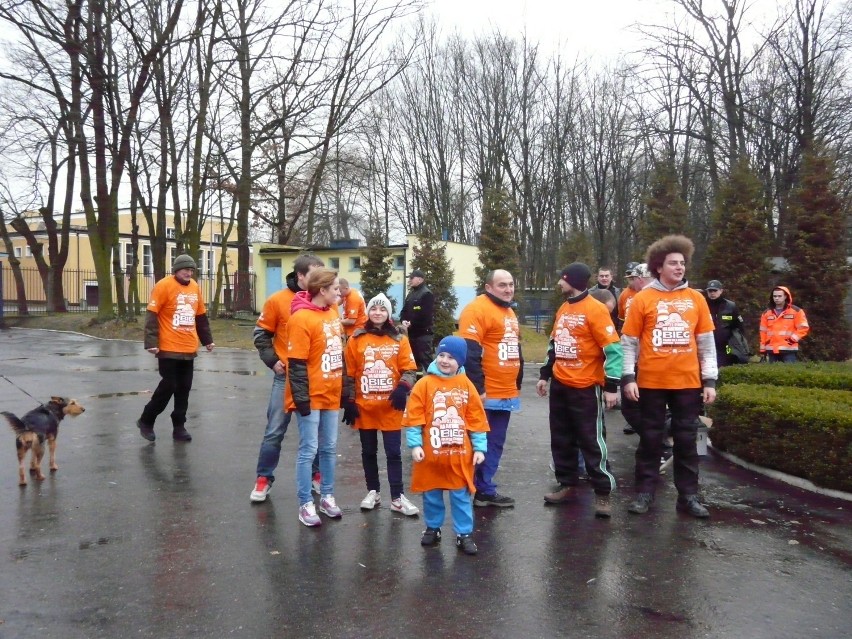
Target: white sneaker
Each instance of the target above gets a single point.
(402, 505)
(308, 515)
(371, 500)
(329, 507)
(261, 489)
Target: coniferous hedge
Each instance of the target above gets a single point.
(828, 375)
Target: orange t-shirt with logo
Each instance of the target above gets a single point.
(496, 329)
(624, 302)
(355, 308)
(317, 337)
(666, 323)
(274, 318)
(447, 408)
(580, 332)
(376, 362)
(177, 306)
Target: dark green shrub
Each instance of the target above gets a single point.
(827, 375)
(806, 432)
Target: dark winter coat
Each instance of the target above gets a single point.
(419, 309)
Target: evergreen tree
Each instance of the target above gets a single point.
(819, 273)
(737, 253)
(376, 266)
(666, 212)
(430, 256)
(498, 242)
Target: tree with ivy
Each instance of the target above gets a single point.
(430, 256)
(666, 212)
(819, 277)
(498, 242)
(376, 266)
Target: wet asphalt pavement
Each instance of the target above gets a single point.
(130, 539)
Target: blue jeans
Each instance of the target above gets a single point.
(277, 421)
(498, 422)
(317, 433)
(783, 357)
(461, 508)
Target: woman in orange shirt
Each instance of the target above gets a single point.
(380, 373)
(314, 386)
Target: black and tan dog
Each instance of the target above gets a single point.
(40, 424)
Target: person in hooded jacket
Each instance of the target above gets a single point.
(270, 340)
(380, 371)
(315, 370)
(782, 326)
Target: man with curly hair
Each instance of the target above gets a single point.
(670, 328)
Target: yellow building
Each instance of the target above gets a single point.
(79, 281)
(274, 261)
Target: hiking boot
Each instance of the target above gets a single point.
(371, 500)
(603, 507)
(690, 505)
(261, 489)
(402, 505)
(180, 434)
(498, 500)
(640, 505)
(466, 544)
(308, 515)
(316, 482)
(561, 495)
(431, 536)
(146, 431)
(329, 507)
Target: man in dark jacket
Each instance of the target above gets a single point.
(418, 316)
(605, 283)
(726, 319)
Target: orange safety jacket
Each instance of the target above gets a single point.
(782, 330)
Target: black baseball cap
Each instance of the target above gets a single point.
(417, 273)
(714, 285)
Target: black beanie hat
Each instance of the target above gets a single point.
(577, 275)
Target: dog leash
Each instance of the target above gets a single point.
(22, 390)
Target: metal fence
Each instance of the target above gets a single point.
(82, 295)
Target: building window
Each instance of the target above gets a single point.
(147, 262)
(172, 255)
(399, 262)
(355, 263)
(334, 263)
(210, 267)
(128, 256)
(28, 251)
(19, 251)
(170, 233)
(217, 239)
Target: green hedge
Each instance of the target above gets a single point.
(806, 432)
(828, 375)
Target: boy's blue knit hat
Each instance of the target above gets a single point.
(454, 346)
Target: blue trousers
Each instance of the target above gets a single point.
(461, 509)
(277, 421)
(498, 422)
(317, 434)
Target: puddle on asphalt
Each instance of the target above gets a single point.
(87, 369)
(122, 394)
(100, 541)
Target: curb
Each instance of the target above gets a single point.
(798, 482)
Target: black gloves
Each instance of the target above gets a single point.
(350, 412)
(304, 408)
(399, 396)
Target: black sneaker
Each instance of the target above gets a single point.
(466, 544)
(690, 505)
(179, 433)
(431, 536)
(146, 431)
(629, 431)
(641, 504)
(498, 500)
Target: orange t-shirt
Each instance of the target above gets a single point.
(447, 408)
(666, 323)
(496, 329)
(176, 307)
(274, 318)
(355, 308)
(580, 332)
(316, 336)
(376, 362)
(624, 302)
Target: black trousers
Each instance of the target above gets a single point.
(685, 406)
(423, 350)
(175, 380)
(577, 423)
(631, 412)
(392, 440)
